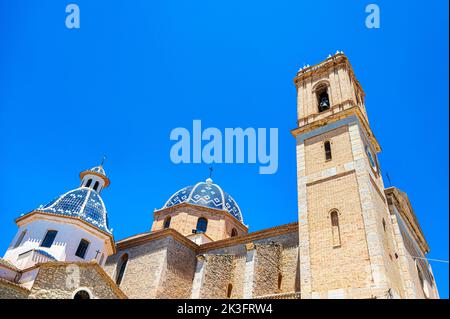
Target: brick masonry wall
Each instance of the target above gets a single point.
(340, 149)
(337, 267)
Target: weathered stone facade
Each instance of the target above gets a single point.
(60, 280)
(164, 264)
(11, 290)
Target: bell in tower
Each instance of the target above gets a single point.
(324, 102)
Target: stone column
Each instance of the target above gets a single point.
(304, 255)
(249, 270)
(377, 267)
(198, 277)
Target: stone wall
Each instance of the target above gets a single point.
(144, 268)
(267, 269)
(219, 274)
(61, 280)
(178, 271)
(253, 267)
(9, 290)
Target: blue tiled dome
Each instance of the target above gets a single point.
(206, 194)
(83, 203)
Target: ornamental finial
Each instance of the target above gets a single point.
(103, 160)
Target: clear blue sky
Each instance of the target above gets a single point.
(137, 69)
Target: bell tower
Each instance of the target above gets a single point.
(346, 240)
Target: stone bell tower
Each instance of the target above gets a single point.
(346, 248)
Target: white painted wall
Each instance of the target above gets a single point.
(64, 246)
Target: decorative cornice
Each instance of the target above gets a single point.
(242, 239)
(353, 110)
(147, 237)
(222, 212)
(337, 60)
(329, 178)
(88, 172)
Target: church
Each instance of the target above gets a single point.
(354, 238)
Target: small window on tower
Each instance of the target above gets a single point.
(89, 182)
(322, 98)
(49, 238)
(167, 222)
(96, 185)
(327, 146)
(234, 232)
(20, 239)
(202, 224)
(82, 248)
(336, 232)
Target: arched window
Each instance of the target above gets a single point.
(121, 268)
(234, 232)
(327, 146)
(202, 224)
(229, 290)
(323, 100)
(89, 182)
(280, 280)
(167, 222)
(336, 232)
(20, 239)
(96, 185)
(82, 294)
